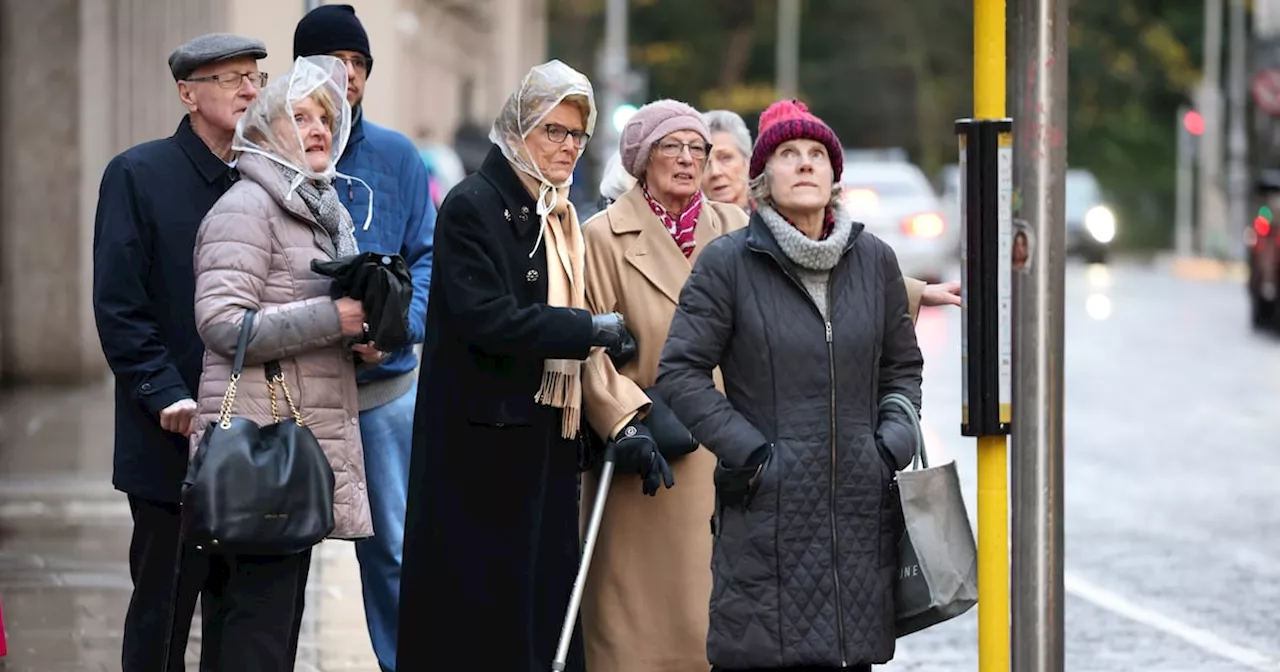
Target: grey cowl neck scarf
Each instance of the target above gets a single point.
(814, 255)
(322, 200)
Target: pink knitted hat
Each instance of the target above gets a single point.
(791, 120)
(650, 124)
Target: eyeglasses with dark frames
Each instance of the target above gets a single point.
(557, 134)
(231, 80)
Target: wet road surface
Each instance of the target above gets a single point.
(1173, 471)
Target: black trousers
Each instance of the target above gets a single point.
(252, 606)
(156, 610)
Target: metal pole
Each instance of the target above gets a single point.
(788, 53)
(1040, 173)
(1211, 204)
(1184, 201)
(989, 54)
(1237, 142)
(308, 5)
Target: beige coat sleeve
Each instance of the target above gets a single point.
(232, 259)
(609, 399)
(915, 289)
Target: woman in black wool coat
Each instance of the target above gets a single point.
(491, 530)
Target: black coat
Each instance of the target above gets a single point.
(804, 574)
(491, 531)
(152, 199)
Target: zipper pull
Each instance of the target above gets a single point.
(828, 331)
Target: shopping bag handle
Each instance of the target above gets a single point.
(919, 458)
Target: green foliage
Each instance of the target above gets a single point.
(897, 73)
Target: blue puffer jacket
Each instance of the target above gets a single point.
(404, 219)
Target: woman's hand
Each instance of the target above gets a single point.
(943, 294)
(369, 354)
(737, 486)
(351, 314)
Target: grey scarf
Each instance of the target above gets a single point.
(322, 200)
(814, 255)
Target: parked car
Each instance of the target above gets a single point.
(1262, 242)
(895, 201)
(1091, 224)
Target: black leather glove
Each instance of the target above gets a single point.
(895, 440)
(635, 452)
(673, 438)
(736, 486)
(608, 330)
(623, 352)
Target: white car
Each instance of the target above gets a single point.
(896, 202)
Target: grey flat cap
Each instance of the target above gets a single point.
(212, 48)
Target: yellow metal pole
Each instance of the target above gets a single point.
(993, 554)
(993, 451)
(988, 59)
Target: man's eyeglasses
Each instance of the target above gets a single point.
(557, 133)
(360, 63)
(231, 80)
(671, 149)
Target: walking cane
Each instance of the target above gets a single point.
(589, 547)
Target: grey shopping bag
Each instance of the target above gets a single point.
(937, 576)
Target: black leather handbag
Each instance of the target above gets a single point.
(254, 490)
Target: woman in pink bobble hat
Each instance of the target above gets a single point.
(804, 316)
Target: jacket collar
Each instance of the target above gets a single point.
(357, 131)
(263, 172)
(210, 166)
(517, 203)
(654, 253)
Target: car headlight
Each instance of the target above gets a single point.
(1101, 224)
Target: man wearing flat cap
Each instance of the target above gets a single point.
(150, 204)
(390, 203)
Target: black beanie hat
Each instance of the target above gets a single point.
(330, 28)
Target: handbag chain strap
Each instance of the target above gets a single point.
(920, 458)
(276, 375)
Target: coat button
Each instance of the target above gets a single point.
(146, 387)
(360, 485)
(355, 421)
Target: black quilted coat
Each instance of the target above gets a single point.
(804, 575)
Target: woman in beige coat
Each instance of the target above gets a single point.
(645, 607)
(254, 252)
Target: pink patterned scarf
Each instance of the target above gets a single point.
(681, 227)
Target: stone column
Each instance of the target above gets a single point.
(81, 80)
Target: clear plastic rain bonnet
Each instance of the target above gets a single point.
(541, 90)
(268, 128)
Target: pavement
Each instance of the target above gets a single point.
(1172, 469)
(64, 539)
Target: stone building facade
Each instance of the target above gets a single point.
(81, 80)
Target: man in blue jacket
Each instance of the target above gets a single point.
(393, 213)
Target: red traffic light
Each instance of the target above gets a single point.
(1193, 121)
